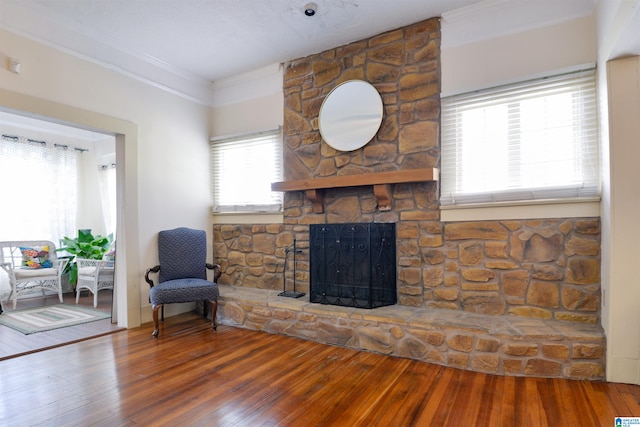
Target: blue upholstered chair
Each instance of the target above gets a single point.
(182, 277)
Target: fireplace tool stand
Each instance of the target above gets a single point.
(285, 292)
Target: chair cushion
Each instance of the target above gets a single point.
(183, 290)
(35, 273)
(87, 271)
(36, 257)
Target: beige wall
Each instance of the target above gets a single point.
(516, 56)
(160, 137)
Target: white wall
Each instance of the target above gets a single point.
(619, 93)
(163, 181)
(621, 277)
(254, 115)
(515, 57)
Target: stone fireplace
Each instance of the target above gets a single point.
(532, 271)
(534, 268)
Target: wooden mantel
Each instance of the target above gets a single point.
(381, 182)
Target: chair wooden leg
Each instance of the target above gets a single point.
(214, 310)
(156, 325)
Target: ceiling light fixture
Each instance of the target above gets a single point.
(310, 9)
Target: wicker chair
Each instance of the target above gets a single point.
(182, 272)
(94, 275)
(31, 264)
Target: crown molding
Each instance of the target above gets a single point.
(253, 84)
(471, 11)
(68, 38)
(490, 19)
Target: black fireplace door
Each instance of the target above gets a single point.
(353, 265)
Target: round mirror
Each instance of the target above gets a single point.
(350, 115)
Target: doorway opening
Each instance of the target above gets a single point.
(43, 208)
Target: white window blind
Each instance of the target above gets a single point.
(535, 140)
(243, 169)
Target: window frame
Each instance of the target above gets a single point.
(269, 140)
(493, 204)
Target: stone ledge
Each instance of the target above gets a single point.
(508, 345)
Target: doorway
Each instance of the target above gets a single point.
(96, 181)
(127, 298)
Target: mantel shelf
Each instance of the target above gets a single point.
(381, 182)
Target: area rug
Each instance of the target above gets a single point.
(41, 319)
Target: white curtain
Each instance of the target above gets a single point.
(107, 179)
(39, 191)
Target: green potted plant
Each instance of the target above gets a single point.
(86, 245)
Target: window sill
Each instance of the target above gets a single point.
(248, 217)
(569, 208)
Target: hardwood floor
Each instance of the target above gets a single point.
(192, 376)
(14, 343)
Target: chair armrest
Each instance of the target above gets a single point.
(7, 266)
(60, 264)
(217, 271)
(151, 270)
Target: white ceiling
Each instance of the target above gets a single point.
(196, 48)
(185, 45)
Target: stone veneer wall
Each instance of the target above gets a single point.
(547, 269)
(543, 269)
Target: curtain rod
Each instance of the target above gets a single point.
(43, 143)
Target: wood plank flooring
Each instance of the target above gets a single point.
(192, 376)
(14, 343)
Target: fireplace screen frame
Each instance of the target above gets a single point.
(353, 264)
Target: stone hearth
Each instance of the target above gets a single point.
(508, 345)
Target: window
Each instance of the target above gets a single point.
(536, 140)
(40, 195)
(243, 170)
(40, 192)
